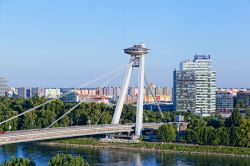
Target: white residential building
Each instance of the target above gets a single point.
(195, 83)
(52, 93)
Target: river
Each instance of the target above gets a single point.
(109, 157)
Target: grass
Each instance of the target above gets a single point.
(79, 141)
(161, 146)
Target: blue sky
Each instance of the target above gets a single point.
(63, 43)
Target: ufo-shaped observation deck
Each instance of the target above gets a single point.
(138, 49)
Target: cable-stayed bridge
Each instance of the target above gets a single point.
(137, 53)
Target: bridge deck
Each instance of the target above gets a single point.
(64, 132)
(45, 134)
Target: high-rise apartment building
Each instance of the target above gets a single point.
(195, 86)
(22, 92)
(3, 86)
(184, 91)
(37, 92)
(152, 89)
(99, 91)
(117, 91)
(159, 91)
(167, 91)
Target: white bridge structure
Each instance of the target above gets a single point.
(137, 60)
(137, 53)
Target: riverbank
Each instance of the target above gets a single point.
(154, 147)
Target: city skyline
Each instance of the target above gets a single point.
(69, 43)
(132, 77)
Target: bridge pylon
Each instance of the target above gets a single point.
(137, 53)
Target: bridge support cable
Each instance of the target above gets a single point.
(155, 101)
(102, 114)
(64, 115)
(109, 79)
(112, 77)
(100, 77)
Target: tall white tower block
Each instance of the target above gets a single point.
(137, 54)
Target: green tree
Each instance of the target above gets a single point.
(11, 125)
(224, 134)
(79, 117)
(150, 116)
(14, 161)
(18, 105)
(106, 118)
(248, 113)
(235, 119)
(196, 122)
(241, 104)
(128, 114)
(244, 130)
(65, 121)
(167, 133)
(215, 122)
(67, 160)
(45, 118)
(235, 136)
(56, 106)
(29, 121)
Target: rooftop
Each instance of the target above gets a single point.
(201, 57)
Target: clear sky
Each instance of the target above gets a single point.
(66, 42)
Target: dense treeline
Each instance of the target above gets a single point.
(57, 160)
(44, 116)
(84, 114)
(233, 131)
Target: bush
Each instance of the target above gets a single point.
(14, 161)
(167, 133)
(58, 160)
(67, 160)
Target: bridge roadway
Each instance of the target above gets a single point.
(65, 132)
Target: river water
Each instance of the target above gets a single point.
(109, 157)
